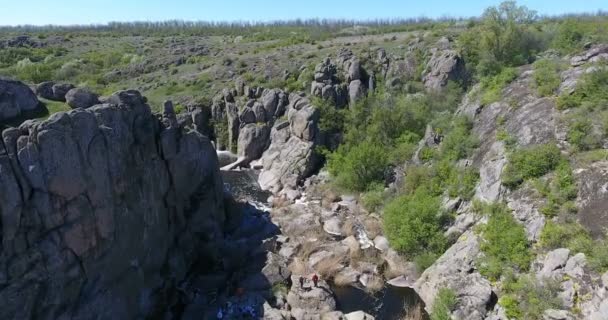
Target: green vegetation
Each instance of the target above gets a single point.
(504, 37)
(581, 134)
(492, 86)
(574, 32)
(413, 224)
(575, 237)
(362, 165)
(54, 107)
(590, 92)
(528, 298)
(560, 191)
(505, 244)
(546, 76)
(530, 162)
(445, 301)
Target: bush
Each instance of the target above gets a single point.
(459, 143)
(414, 224)
(492, 86)
(547, 77)
(358, 167)
(445, 301)
(560, 191)
(590, 91)
(531, 162)
(505, 243)
(373, 199)
(575, 237)
(425, 260)
(581, 134)
(331, 119)
(528, 298)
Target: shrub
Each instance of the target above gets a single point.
(445, 301)
(582, 136)
(505, 243)
(331, 119)
(492, 86)
(560, 191)
(575, 237)
(425, 260)
(590, 91)
(414, 224)
(459, 143)
(373, 199)
(358, 167)
(528, 298)
(546, 76)
(530, 162)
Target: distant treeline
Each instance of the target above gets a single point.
(315, 28)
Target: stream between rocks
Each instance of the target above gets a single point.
(388, 303)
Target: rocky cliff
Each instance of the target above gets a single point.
(104, 211)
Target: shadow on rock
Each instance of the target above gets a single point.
(241, 281)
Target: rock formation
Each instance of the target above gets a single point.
(81, 98)
(291, 156)
(16, 99)
(53, 91)
(104, 211)
(443, 66)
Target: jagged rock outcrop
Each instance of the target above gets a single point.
(81, 98)
(253, 140)
(443, 66)
(16, 99)
(104, 211)
(291, 156)
(326, 84)
(239, 111)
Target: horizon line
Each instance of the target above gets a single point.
(295, 21)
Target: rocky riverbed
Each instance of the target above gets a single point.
(332, 237)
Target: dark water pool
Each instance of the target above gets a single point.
(388, 304)
(243, 184)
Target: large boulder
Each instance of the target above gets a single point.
(81, 98)
(253, 140)
(53, 91)
(60, 90)
(16, 99)
(443, 66)
(97, 211)
(456, 270)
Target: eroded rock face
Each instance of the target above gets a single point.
(291, 157)
(456, 270)
(444, 66)
(16, 99)
(593, 196)
(95, 203)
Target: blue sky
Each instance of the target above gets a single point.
(41, 12)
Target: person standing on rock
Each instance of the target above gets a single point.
(315, 280)
(301, 282)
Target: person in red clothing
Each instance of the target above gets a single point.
(315, 279)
